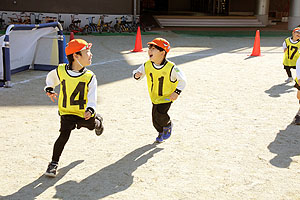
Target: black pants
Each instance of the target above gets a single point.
(67, 124)
(160, 117)
(288, 70)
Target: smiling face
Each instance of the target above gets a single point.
(156, 55)
(85, 58)
(296, 35)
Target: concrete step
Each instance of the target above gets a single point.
(165, 21)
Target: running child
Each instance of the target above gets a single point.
(77, 98)
(165, 83)
(291, 47)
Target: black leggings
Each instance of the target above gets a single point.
(160, 117)
(288, 70)
(67, 124)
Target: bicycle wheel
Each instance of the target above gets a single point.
(100, 29)
(89, 29)
(117, 28)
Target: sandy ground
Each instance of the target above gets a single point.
(232, 137)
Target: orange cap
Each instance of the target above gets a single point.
(162, 43)
(296, 29)
(76, 45)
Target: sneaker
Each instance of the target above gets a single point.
(297, 120)
(159, 138)
(52, 169)
(167, 131)
(99, 127)
(289, 79)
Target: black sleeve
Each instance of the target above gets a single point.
(49, 90)
(91, 110)
(177, 91)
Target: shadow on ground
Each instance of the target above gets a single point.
(36, 188)
(278, 90)
(112, 179)
(107, 181)
(286, 145)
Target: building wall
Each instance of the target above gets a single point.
(179, 5)
(279, 5)
(69, 6)
(242, 6)
(279, 9)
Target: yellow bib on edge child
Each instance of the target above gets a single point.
(291, 55)
(73, 91)
(159, 82)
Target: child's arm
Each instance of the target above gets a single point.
(139, 73)
(52, 81)
(284, 46)
(178, 75)
(91, 98)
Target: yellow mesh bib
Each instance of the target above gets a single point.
(291, 55)
(73, 91)
(159, 82)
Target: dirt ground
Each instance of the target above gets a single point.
(232, 135)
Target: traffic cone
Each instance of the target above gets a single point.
(256, 47)
(138, 42)
(71, 35)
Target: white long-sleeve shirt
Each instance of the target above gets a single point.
(52, 81)
(176, 74)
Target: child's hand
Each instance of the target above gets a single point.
(52, 96)
(138, 75)
(173, 96)
(87, 115)
(298, 94)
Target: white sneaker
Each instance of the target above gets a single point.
(289, 79)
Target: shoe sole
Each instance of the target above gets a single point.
(50, 175)
(101, 131)
(100, 118)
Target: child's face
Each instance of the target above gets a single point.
(155, 55)
(296, 35)
(86, 57)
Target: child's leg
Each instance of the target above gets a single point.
(288, 71)
(67, 125)
(60, 144)
(160, 117)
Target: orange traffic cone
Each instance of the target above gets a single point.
(138, 42)
(71, 35)
(256, 47)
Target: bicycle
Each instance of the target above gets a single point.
(75, 26)
(104, 26)
(36, 18)
(26, 18)
(91, 26)
(49, 19)
(117, 25)
(59, 20)
(17, 20)
(125, 25)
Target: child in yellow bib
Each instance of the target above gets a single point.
(77, 97)
(291, 47)
(165, 83)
